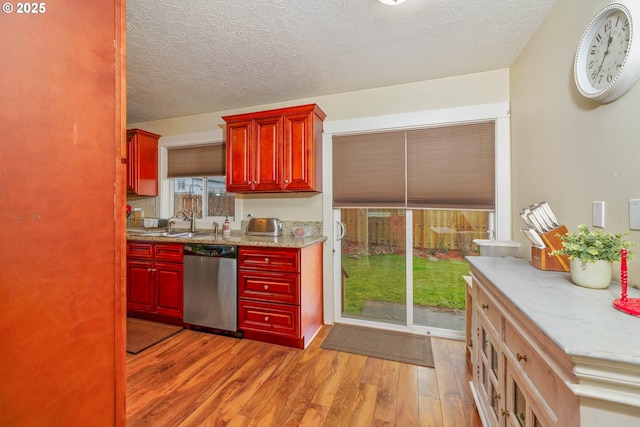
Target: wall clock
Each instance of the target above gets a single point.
(607, 62)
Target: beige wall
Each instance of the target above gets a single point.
(473, 89)
(568, 150)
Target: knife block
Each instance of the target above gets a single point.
(541, 258)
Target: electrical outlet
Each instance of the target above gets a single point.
(598, 214)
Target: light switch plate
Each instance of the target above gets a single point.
(634, 214)
(598, 214)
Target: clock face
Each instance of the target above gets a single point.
(607, 62)
(607, 50)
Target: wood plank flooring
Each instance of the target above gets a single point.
(198, 379)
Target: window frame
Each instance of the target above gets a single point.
(499, 112)
(165, 190)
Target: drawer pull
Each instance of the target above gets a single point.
(521, 357)
(266, 260)
(504, 413)
(496, 396)
(266, 318)
(485, 306)
(266, 286)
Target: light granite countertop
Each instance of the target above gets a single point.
(580, 321)
(237, 238)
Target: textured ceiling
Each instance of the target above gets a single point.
(195, 56)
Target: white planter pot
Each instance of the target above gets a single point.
(595, 275)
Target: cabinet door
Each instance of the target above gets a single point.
(139, 286)
(147, 165)
(142, 162)
(267, 152)
(299, 161)
(239, 149)
(489, 374)
(132, 161)
(520, 409)
(169, 289)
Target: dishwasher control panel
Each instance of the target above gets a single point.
(224, 251)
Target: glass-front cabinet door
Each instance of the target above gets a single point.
(520, 410)
(489, 369)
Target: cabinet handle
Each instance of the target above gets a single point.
(521, 357)
(485, 306)
(504, 413)
(286, 181)
(255, 182)
(248, 182)
(496, 396)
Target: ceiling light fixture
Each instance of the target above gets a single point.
(391, 2)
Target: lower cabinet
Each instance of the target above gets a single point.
(280, 294)
(155, 281)
(513, 383)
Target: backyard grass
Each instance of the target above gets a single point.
(436, 283)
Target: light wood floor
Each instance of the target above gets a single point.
(198, 379)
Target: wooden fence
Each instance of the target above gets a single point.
(432, 229)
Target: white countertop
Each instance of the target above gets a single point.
(580, 321)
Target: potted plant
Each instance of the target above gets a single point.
(591, 254)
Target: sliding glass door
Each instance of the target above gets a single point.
(374, 265)
(406, 267)
(411, 202)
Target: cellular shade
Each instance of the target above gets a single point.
(451, 167)
(446, 167)
(201, 160)
(368, 170)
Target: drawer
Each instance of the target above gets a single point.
(286, 260)
(140, 250)
(169, 252)
(488, 307)
(283, 287)
(529, 363)
(272, 318)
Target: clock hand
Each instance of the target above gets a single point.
(606, 52)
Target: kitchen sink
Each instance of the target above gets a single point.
(177, 234)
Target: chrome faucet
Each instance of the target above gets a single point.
(191, 216)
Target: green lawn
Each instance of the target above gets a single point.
(382, 278)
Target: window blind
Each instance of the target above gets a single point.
(451, 167)
(201, 160)
(447, 167)
(368, 170)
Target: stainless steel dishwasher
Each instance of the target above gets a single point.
(211, 286)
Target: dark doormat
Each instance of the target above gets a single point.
(391, 345)
(142, 334)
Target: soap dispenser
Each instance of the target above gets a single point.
(226, 228)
